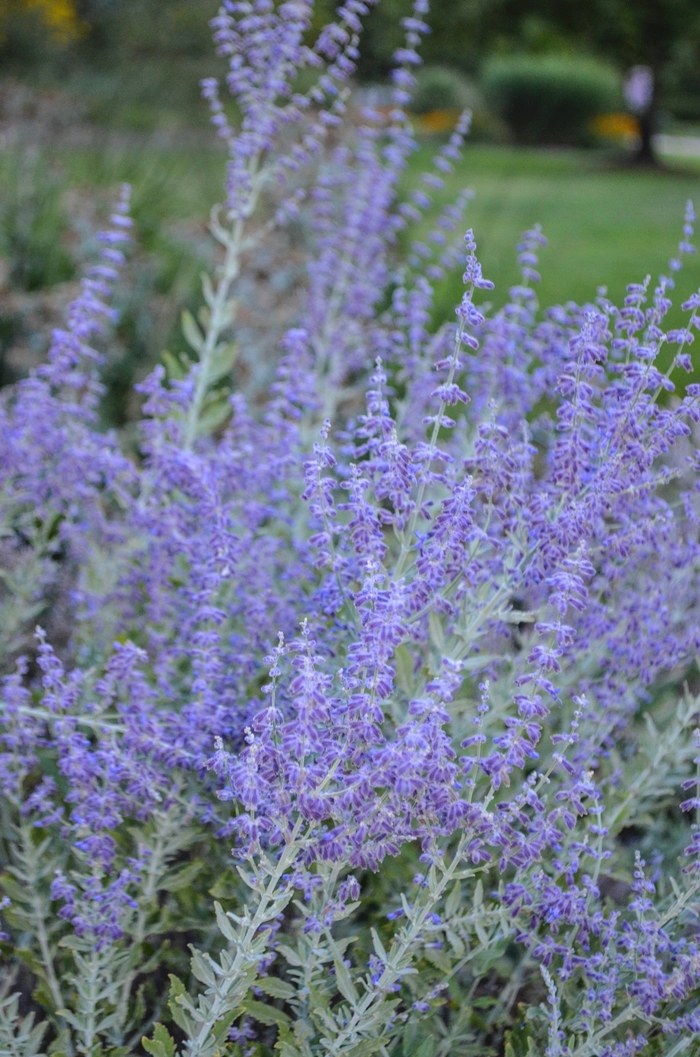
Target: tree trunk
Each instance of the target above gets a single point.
(646, 154)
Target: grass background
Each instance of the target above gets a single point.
(607, 225)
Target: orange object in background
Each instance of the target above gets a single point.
(436, 121)
(623, 128)
(59, 16)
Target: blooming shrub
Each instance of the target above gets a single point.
(363, 720)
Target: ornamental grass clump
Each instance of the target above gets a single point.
(362, 719)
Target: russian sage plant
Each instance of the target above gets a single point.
(362, 719)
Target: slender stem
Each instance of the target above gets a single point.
(39, 914)
(589, 1046)
(45, 948)
(221, 308)
(243, 958)
(415, 514)
(397, 954)
(156, 863)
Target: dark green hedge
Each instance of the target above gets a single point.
(550, 99)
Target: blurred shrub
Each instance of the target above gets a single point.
(32, 223)
(682, 81)
(441, 88)
(37, 32)
(59, 17)
(441, 94)
(134, 63)
(550, 99)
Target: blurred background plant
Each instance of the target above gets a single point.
(60, 19)
(101, 108)
(95, 92)
(136, 63)
(552, 99)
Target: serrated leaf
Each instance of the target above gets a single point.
(275, 987)
(213, 416)
(378, 945)
(224, 922)
(438, 958)
(454, 901)
(437, 634)
(284, 1034)
(174, 366)
(455, 942)
(481, 933)
(202, 968)
(182, 878)
(519, 1041)
(367, 1047)
(303, 1030)
(289, 954)
(14, 889)
(489, 957)
(178, 993)
(223, 889)
(177, 987)
(478, 893)
(344, 982)
(265, 1014)
(480, 660)
(75, 943)
(221, 362)
(403, 663)
(286, 1049)
(426, 1049)
(208, 290)
(221, 1028)
(409, 1036)
(161, 1045)
(518, 616)
(193, 334)
(181, 1018)
(70, 1018)
(61, 1045)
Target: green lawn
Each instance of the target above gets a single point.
(606, 226)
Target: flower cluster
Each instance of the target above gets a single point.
(414, 637)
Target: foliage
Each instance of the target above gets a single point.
(550, 100)
(661, 34)
(60, 17)
(440, 88)
(31, 226)
(414, 637)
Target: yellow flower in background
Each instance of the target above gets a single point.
(621, 127)
(60, 17)
(436, 121)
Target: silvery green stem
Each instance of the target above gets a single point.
(39, 913)
(409, 533)
(164, 846)
(233, 985)
(396, 960)
(89, 992)
(220, 305)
